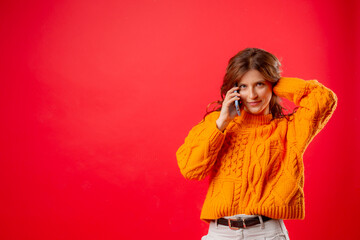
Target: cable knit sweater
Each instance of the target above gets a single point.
(256, 164)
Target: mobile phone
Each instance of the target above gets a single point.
(237, 103)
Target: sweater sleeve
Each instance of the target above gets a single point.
(197, 155)
(316, 104)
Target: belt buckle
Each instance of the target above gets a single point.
(235, 219)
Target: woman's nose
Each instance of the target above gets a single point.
(253, 94)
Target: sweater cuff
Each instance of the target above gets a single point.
(215, 137)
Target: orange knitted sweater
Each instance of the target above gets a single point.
(256, 164)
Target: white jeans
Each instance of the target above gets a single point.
(273, 229)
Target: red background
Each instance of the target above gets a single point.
(96, 97)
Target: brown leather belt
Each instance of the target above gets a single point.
(238, 223)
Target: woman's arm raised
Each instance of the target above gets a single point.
(315, 102)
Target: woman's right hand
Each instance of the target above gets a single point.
(228, 111)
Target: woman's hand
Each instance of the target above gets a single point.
(228, 111)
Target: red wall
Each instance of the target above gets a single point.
(96, 97)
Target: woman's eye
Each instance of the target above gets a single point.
(242, 86)
(260, 84)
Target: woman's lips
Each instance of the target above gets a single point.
(253, 104)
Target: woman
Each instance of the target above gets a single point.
(254, 157)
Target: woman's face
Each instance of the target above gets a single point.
(255, 92)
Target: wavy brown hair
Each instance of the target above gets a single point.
(252, 58)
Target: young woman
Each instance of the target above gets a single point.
(254, 156)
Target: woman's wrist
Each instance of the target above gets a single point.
(221, 124)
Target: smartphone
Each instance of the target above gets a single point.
(237, 103)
